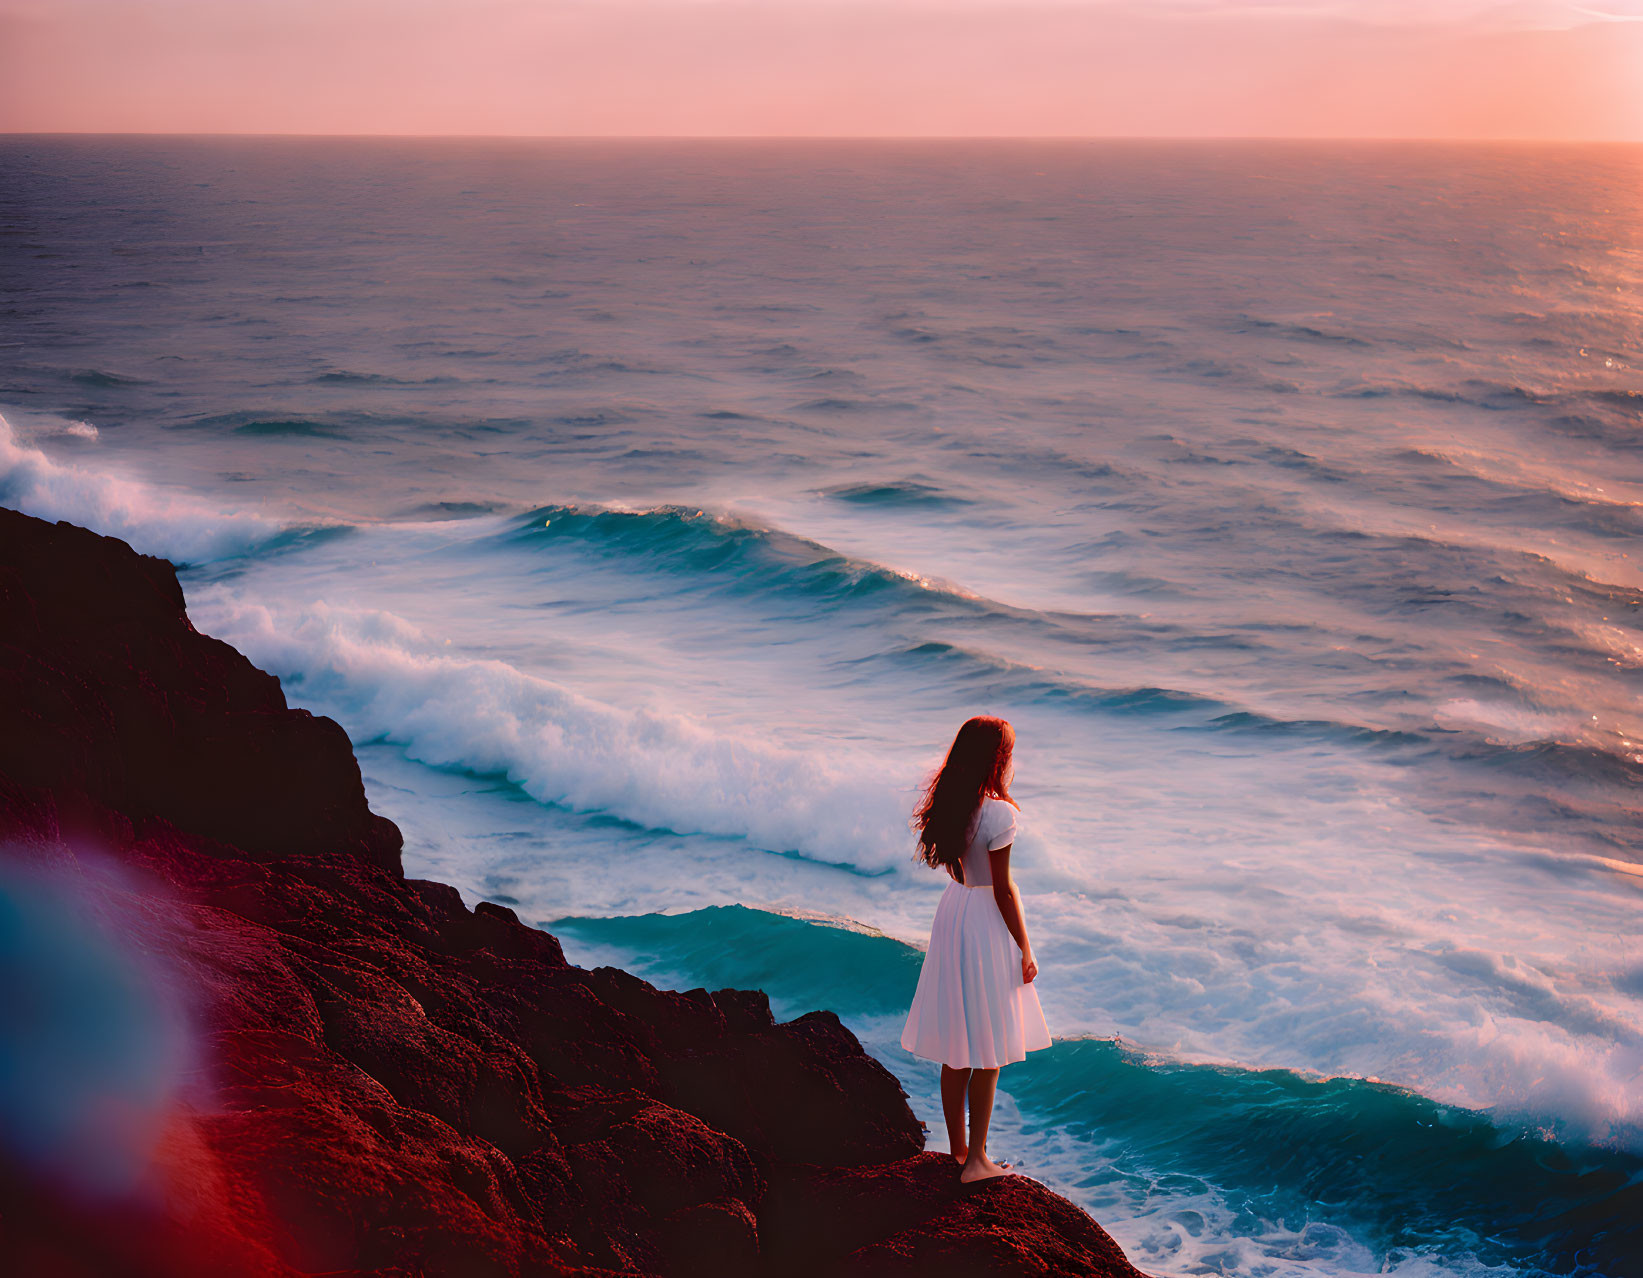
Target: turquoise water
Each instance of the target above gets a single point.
(650, 514)
(1282, 1162)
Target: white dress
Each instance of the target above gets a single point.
(972, 1010)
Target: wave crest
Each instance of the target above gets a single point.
(152, 521)
(383, 678)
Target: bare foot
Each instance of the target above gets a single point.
(982, 1168)
(960, 1153)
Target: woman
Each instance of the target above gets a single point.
(975, 1008)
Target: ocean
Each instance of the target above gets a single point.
(651, 513)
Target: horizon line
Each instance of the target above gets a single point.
(829, 137)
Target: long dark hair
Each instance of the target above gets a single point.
(977, 766)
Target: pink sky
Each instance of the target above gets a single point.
(1376, 68)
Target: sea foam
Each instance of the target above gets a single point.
(182, 529)
(384, 679)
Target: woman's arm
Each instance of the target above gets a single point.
(1009, 905)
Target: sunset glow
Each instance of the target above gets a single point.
(1312, 68)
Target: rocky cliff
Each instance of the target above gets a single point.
(240, 1042)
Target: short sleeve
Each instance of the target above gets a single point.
(1003, 826)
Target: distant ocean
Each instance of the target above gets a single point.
(652, 513)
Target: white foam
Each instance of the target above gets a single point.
(1507, 723)
(179, 528)
(383, 678)
(1527, 1035)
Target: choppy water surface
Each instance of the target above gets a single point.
(651, 514)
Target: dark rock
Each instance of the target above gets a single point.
(112, 700)
(915, 1217)
(710, 1239)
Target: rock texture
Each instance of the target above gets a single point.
(379, 1080)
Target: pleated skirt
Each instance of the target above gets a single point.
(972, 1010)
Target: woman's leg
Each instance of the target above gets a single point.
(953, 1083)
(977, 1166)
